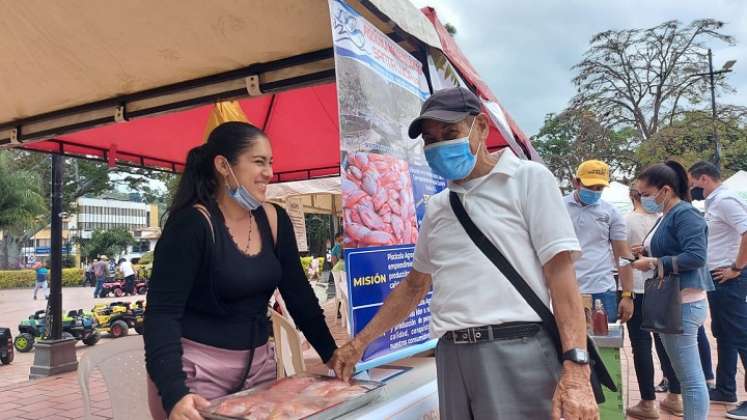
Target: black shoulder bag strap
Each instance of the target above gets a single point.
(599, 373)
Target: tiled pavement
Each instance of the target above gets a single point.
(632, 395)
(59, 397)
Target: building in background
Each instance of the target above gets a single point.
(103, 213)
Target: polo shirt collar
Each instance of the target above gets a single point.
(507, 164)
(712, 196)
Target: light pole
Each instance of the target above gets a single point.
(711, 77)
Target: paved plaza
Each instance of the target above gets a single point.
(59, 397)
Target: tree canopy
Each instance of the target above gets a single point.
(646, 78)
(110, 242)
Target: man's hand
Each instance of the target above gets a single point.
(186, 408)
(400, 303)
(625, 309)
(344, 359)
(638, 251)
(574, 398)
(722, 275)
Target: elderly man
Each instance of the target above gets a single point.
(514, 371)
(603, 234)
(726, 215)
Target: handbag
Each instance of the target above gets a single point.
(599, 374)
(662, 302)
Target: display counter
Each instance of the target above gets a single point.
(410, 392)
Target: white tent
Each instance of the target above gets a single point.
(738, 183)
(617, 194)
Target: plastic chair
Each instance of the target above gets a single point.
(122, 364)
(288, 348)
(341, 296)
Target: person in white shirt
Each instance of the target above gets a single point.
(493, 359)
(601, 230)
(726, 215)
(129, 276)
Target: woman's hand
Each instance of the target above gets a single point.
(644, 264)
(186, 408)
(638, 250)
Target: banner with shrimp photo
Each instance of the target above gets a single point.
(385, 178)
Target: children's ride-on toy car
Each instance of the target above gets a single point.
(141, 286)
(115, 287)
(118, 287)
(117, 318)
(76, 324)
(6, 346)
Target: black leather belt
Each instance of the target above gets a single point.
(508, 331)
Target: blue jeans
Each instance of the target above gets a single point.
(609, 300)
(99, 287)
(682, 350)
(728, 320)
(704, 349)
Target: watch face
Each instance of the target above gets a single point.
(577, 356)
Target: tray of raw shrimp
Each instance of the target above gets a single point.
(302, 396)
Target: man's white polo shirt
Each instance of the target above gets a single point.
(726, 215)
(596, 225)
(518, 206)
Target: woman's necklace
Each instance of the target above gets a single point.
(249, 239)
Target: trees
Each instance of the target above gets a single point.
(689, 139)
(640, 100)
(646, 78)
(450, 28)
(82, 178)
(110, 242)
(573, 136)
(21, 205)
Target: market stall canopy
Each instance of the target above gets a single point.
(80, 63)
(74, 70)
(503, 126)
(319, 196)
(302, 125)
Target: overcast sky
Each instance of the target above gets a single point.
(525, 50)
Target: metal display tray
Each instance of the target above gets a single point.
(373, 390)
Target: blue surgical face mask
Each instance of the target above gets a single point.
(452, 159)
(588, 196)
(650, 205)
(240, 194)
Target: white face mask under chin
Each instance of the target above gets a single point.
(240, 195)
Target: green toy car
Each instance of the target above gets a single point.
(76, 324)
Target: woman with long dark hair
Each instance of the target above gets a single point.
(677, 244)
(222, 254)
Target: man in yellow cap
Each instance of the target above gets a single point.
(602, 232)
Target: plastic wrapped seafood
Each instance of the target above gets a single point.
(296, 397)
